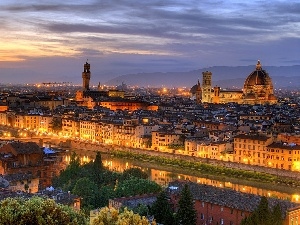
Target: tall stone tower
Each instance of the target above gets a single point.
(206, 87)
(86, 76)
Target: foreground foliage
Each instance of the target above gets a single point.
(114, 217)
(38, 211)
(96, 184)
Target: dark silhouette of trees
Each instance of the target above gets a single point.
(162, 210)
(186, 213)
(263, 215)
(96, 184)
(133, 172)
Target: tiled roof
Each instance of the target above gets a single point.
(252, 137)
(283, 145)
(24, 147)
(228, 197)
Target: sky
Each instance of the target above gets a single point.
(50, 40)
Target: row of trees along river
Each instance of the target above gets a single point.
(163, 174)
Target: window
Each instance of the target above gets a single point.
(202, 204)
(221, 221)
(202, 216)
(222, 208)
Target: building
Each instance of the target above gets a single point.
(206, 87)
(282, 155)
(27, 157)
(228, 207)
(88, 97)
(215, 150)
(196, 92)
(22, 182)
(166, 140)
(258, 89)
(251, 149)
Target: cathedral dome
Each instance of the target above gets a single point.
(195, 88)
(258, 87)
(258, 77)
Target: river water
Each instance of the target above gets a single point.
(165, 174)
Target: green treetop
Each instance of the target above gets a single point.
(186, 214)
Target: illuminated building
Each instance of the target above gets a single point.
(87, 97)
(251, 149)
(162, 140)
(258, 89)
(282, 155)
(126, 104)
(112, 99)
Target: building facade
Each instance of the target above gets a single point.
(258, 89)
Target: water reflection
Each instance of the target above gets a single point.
(163, 177)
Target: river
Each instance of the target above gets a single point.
(164, 174)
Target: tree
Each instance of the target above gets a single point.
(277, 215)
(37, 211)
(134, 172)
(96, 184)
(105, 193)
(68, 178)
(94, 169)
(141, 209)
(88, 190)
(262, 215)
(136, 186)
(111, 216)
(186, 213)
(161, 209)
(98, 165)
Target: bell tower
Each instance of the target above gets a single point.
(86, 76)
(206, 87)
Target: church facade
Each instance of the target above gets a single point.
(258, 89)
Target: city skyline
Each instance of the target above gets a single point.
(51, 40)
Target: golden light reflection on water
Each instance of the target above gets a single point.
(164, 177)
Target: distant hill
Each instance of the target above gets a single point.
(223, 76)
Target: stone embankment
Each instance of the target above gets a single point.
(85, 146)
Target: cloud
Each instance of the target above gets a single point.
(128, 36)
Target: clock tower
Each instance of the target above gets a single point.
(86, 76)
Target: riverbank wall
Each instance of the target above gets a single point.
(110, 149)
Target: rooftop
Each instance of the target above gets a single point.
(227, 197)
